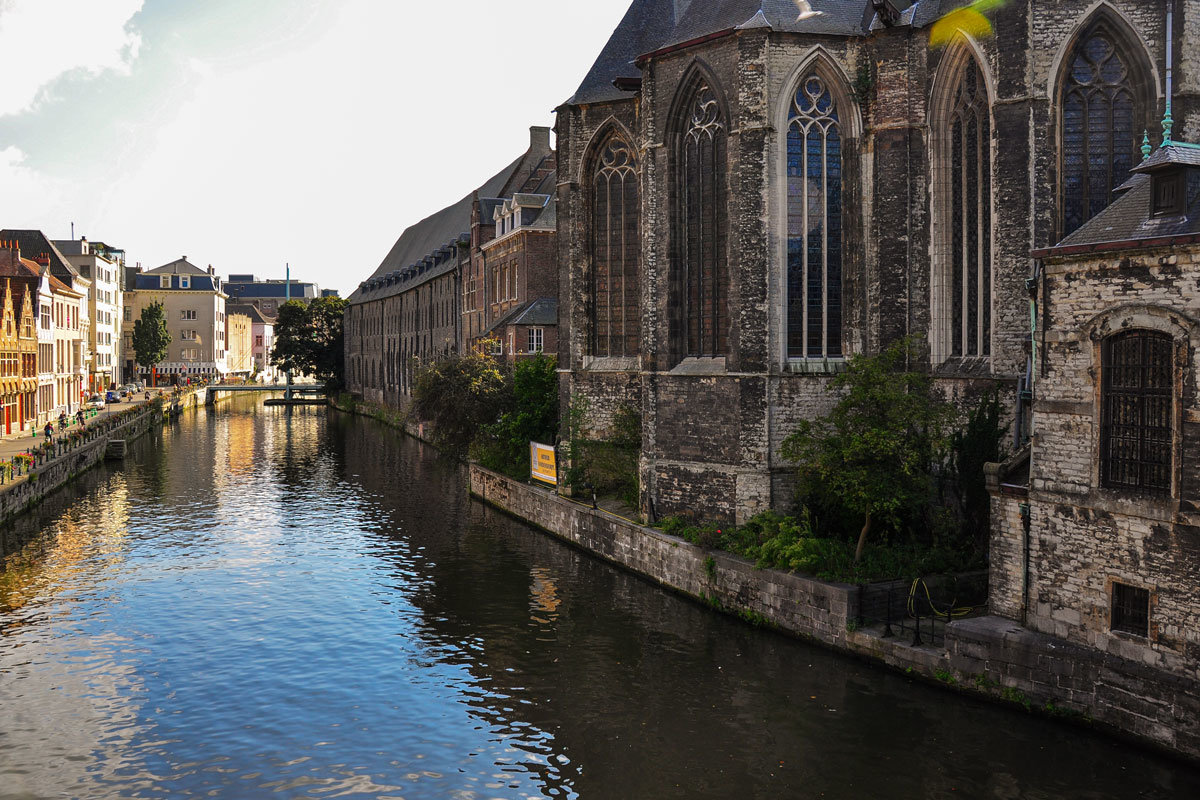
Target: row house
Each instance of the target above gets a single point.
(63, 326)
(102, 266)
(193, 304)
(239, 348)
(446, 287)
(262, 340)
(18, 341)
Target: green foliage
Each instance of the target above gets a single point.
(309, 340)
(531, 415)
(609, 465)
(150, 336)
(710, 567)
(977, 443)
(875, 449)
(774, 541)
(459, 396)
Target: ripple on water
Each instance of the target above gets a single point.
(298, 605)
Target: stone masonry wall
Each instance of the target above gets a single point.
(984, 655)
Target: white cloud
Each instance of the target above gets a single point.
(42, 40)
(30, 199)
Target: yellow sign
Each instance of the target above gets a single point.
(541, 463)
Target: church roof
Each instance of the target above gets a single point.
(653, 25)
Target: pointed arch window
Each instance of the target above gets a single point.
(814, 222)
(616, 248)
(1103, 112)
(701, 225)
(969, 259)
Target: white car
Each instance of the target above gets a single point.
(95, 401)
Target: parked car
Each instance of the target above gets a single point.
(95, 401)
(130, 387)
(111, 397)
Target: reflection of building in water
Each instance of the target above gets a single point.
(543, 595)
(75, 549)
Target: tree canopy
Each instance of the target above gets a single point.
(150, 336)
(309, 339)
(875, 448)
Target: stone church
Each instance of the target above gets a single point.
(751, 191)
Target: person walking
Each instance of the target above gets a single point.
(80, 417)
(49, 431)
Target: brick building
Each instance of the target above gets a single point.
(747, 197)
(450, 277)
(1096, 527)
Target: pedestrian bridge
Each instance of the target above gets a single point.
(211, 392)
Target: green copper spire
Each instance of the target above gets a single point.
(1168, 124)
(1146, 148)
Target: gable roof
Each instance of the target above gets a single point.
(543, 312)
(650, 26)
(35, 243)
(180, 266)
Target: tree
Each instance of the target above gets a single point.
(309, 340)
(531, 415)
(460, 396)
(150, 336)
(876, 447)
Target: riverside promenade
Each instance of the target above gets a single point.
(29, 470)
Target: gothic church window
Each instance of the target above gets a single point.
(616, 247)
(814, 223)
(1102, 119)
(961, 208)
(702, 271)
(1136, 401)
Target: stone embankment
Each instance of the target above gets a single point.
(985, 655)
(34, 470)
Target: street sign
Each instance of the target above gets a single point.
(541, 463)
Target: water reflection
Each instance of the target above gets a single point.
(295, 604)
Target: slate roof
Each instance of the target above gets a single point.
(1128, 218)
(34, 243)
(300, 289)
(542, 311)
(652, 25)
(180, 266)
(437, 232)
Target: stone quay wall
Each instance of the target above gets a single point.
(21, 493)
(988, 656)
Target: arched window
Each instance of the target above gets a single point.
(961, 208)
(701, 225)
(1103, 96)
(1136, 401)
(814, 214)
(616, 245)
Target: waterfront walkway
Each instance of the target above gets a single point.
(20, 441)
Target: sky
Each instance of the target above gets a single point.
(247, 134)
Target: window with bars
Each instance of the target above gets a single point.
(701, 225)
(1102, 120)
(1137, 401)
(814, 221)
(616, 248)
(1130, 609)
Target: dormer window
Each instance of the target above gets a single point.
(185, 282)
(1168, 192)
(164, 281)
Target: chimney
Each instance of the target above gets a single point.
(539, 139)
(211, 271)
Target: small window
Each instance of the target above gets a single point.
(1168, 192)
(535, 340)
(185, 282)
(164, 281)
(1130, 609)
(128, 314)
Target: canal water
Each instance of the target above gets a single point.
(264, 603)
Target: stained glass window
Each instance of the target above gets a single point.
(970, 216)
(701, 241)
(1099, 127)
(616, 247)
(814, 224)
